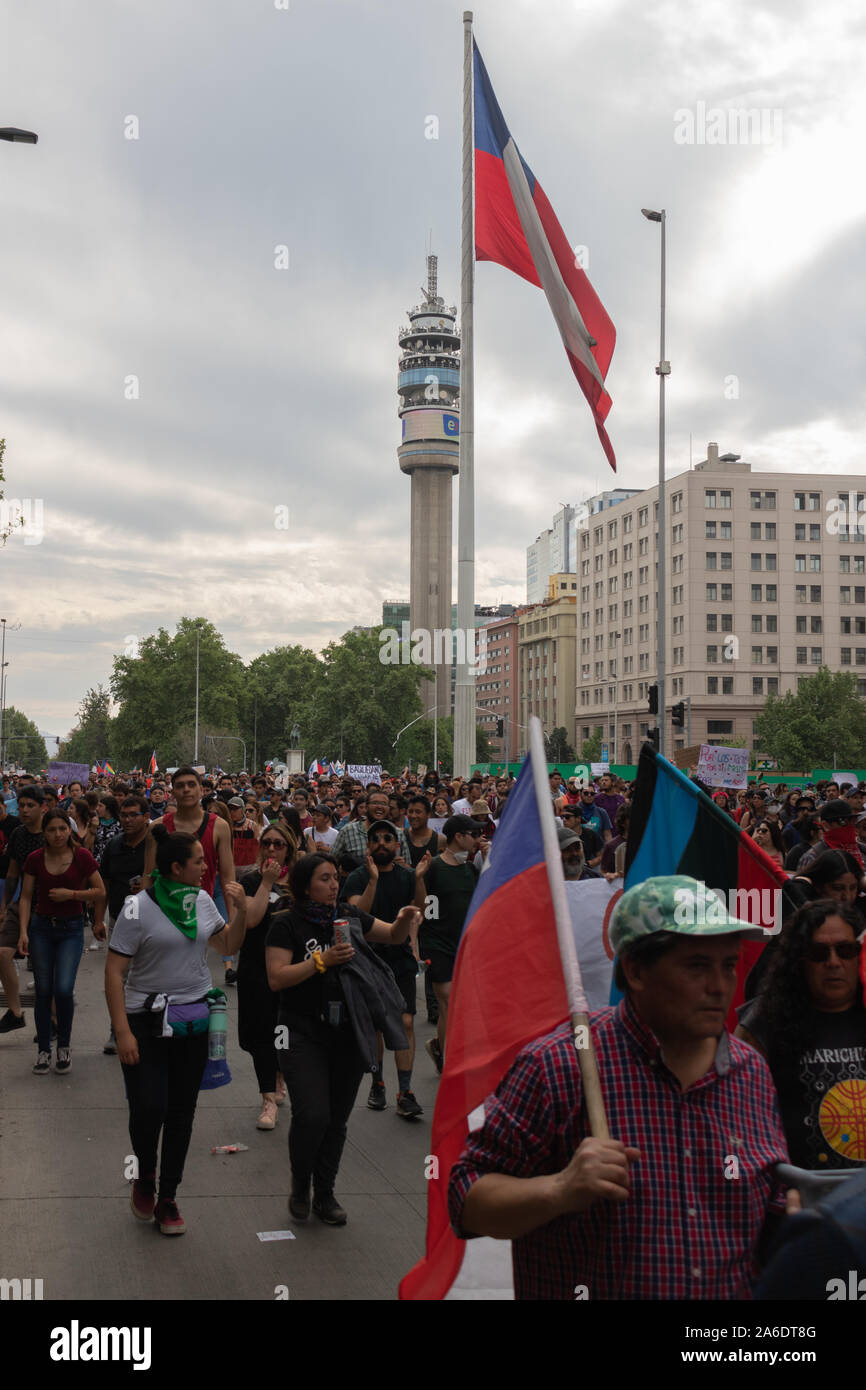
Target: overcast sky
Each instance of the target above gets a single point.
(260, 387)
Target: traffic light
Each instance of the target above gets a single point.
(500, 728)
(678, 715)
(653, 738)
(653, 693)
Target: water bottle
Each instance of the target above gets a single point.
(216, 1030)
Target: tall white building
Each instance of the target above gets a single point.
(555, 550)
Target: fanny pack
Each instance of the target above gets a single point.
(179, 1020)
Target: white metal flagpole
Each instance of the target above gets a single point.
(464, 690)
(577, 1005)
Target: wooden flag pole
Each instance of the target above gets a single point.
(577, 1006)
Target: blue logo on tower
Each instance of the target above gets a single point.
(451, 425)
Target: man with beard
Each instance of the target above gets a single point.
(382, 888)
(573, 861)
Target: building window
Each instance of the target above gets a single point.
(710, 497)
(711, 593)
(771, 593)
(627, 523)
(677, 534)
(720, 726)
(814, 563)
(772, 685)
(801, 656)
(845, 656)
(799, 501)
(755, 531)
(772, 655)
(769, 531)
(816, 625)
(727, 560)
(800, 593)
(712, 654)
(643, 516)
(712, 685)
(799, 530)
(712, 623)
(815, 594)
(799, 563)
(727, 622)
(757, 656)
(725, 498)
(755, 562)
(801, 624)
(757, 593)
(817, 655)
(772, 622)
(755, 501)
(757, 685)
(757, 623)
(769, 562)
(727, 685)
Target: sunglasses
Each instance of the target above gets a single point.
(271, 844)
(818, 952)
(383, 840)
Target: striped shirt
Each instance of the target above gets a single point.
(700, 1192)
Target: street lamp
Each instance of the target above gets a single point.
(197, 637)
(662, 370)
(18, 137)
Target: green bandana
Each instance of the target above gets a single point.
(177, 901)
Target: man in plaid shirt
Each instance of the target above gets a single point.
(676, 1205)
(352, 839)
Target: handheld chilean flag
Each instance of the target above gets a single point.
(153, 767)
(516, 227)
(508, 989)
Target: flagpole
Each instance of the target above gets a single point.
(464, 692)
(577, 1004)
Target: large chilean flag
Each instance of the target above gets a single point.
(516, 227)
(508, 989)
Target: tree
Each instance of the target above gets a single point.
(558, 749)
(591, 749)
(275, 686)
(155, 690)
(824, 718)
(359, 703)
(7, 530)
(91, 737)
(22, 742)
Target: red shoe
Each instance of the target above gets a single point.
(168, 1218)
(142, 1201)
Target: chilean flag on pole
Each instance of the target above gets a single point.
(516, 227)
(508, 989)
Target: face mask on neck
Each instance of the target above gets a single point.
(461, 855)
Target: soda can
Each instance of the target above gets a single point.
(341, 932)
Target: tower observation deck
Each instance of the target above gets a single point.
(428, 386)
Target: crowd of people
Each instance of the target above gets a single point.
(326, 900)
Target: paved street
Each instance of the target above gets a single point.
(64, 1201)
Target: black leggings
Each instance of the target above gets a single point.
(162, 1090)
(322, 1068)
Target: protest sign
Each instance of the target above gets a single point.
(61, 774)
(365, 772)
(723, 767)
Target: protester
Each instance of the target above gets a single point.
(267, 888)
(122, 867)
(593, 816)
(326, 1015)
(607, 864)
(322, 837)
(61, 878)
(574, 865)
(810, 1024)
(441, 812)
(592, 843)
(768, 837)
(352, 839)
(582, 1211)
(837, 832)
(26, 838)
(449, 883)
(163, 943)
(210, 829)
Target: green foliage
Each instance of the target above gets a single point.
(591, 750)
(22, 742)
(91, 737)
(10, 526)
(274, 687)
(826, 716)
(558, 749)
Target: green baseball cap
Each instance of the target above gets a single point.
(675, 903)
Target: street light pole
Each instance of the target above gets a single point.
(663, 370)
(3, 698)
(197, 636)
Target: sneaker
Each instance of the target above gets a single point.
(64, 1061)
(299, 1203)
(434, 1052)
(142, 1199)
(110, 1048)
(268, 1117)
(42, 1063)
(328, 1209)
(377, 1099)
(281, 1092)
(407, 1105)
(168, 1218)
(231, 977)
(9, 1022)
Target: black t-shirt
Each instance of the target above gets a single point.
(7, 825)
(290, 931)
(394, 890)
(23, 842)
(120, 862)
(822, 1093)
(417, 852)
(592, 842)
(450, 888)
(252, 953)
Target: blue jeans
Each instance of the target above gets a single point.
(55, 952)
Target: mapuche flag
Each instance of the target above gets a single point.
(516, 227)
(508, 989)
(675, 828)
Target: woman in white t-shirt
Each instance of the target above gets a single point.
(160, 1017)
(320, 839)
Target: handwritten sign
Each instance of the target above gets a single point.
(723, 767)
(365, 772)
(61, 774)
